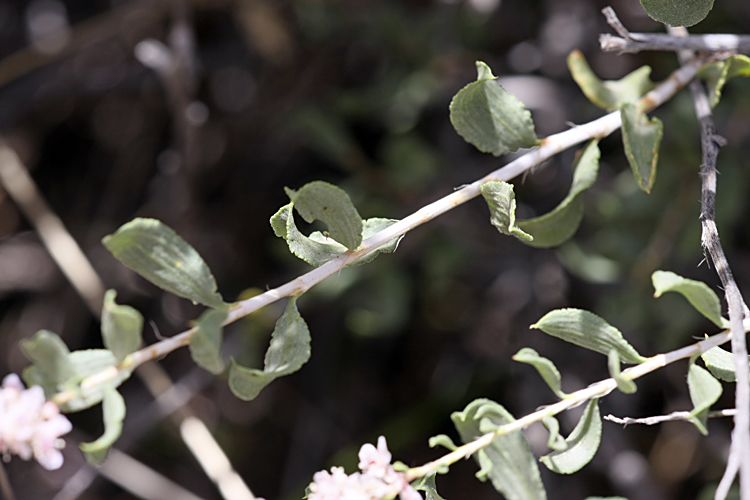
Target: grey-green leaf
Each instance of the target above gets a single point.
(555, 440)
(545, 367)
(697, 293)
(156, 252)
(442, 440)
(289, 350)
(489, 117)
(705, 390)
(51, 359)
(624, 384)
(582, 443)
(508, 461)
(502, 203)
(330, 204)
(610, 94)
(122, 327)
(205, 343)
(720, 363)
(641, 138)
(558, 226)
(717, 74)
(427, 484)
(113, 408)
(586, 329)
(682, 13)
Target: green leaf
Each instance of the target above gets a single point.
(442, 440)
(156, 252)
(122, 327)
(330, 204)
(705, 390)
(559, 225)
(587, 330)
(720, 363)
(682, 13)
(641, 138)
(582, 443)
(289, 350)
(606, 498)
(113, 407)
(427, 484)
(697, 293)
(508, 461)
(544, 366)
(490, 118)
(555, 441)
(51, 359)
(205, 343)
(502, 202)
(626, 385)
(717, 74)
(610, 94)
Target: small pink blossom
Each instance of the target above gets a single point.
(377, 481)
(29, 425)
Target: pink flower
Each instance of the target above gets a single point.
(29, 425)
(377, 481)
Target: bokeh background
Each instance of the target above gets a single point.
(199, 112)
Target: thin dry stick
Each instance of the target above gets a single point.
(739, 452)
(549, 147)
(636, 42)
(674, 416)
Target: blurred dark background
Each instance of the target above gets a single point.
(199, 112)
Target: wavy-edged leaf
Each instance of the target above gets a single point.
(586, 329)
(682, 13)
(502, 203)
(717, 74)
(545, 367)
(624, 384)
(581, 444)
(442, 440)
(609, 94)
(51, 359)
(113, 408)
(697, 293)
(705, 390)
(205, 343)
(489, 117)
(122, 327)
(330, 204)
(641, 138)
(555, 441)
(288, 351)
(427, 484)
(558, 226)
(508, 461)
(152, 249)
(720, 363)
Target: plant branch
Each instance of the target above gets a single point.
(710, 144)
(5, 486)
(632, 43)
(674, 416)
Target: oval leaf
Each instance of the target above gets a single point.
(490, 118)
(582, 443)
(587, 330)
(611, 94)
(289, 350)
(330, 204)
(122, 327)
(641, 138)
(508, 461)
(51, 361)
(205, 343)
(544, 366)
(683, 13)
(625, 385)
(427, 484)
(717, 74)
(697, 293)
(705, 390)
(559, 225)
(156, 252)
(113, 408)
(720, 363)
(502, 202)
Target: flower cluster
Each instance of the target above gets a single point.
(29, 425)
(377, 481)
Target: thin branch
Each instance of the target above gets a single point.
(5, 487)
(674, 416)
(739, 452)
(549, 147)
(635, 42)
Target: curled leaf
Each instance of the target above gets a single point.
(697, 293)
(641, 138)
(545, 367)
(581, 444)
